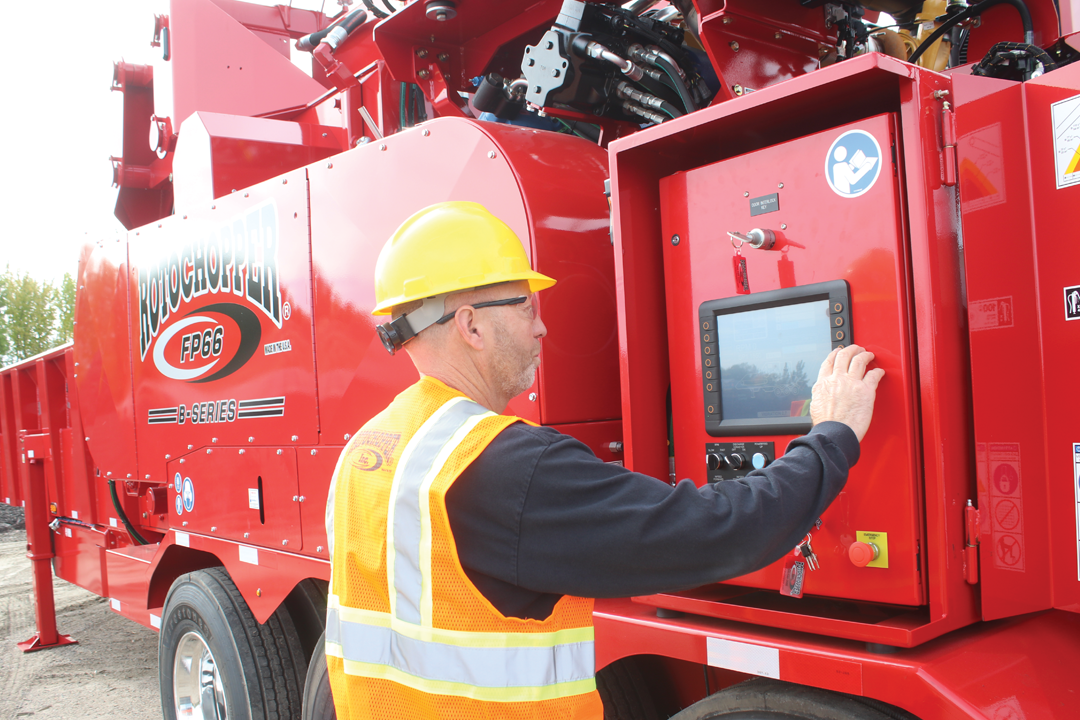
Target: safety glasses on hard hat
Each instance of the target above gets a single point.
(491, 303)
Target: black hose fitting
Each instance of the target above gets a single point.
(349, 23)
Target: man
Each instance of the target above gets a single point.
(466, 544)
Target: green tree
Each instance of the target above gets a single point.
(34, 316)
(65, 310)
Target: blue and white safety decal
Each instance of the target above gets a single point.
(188, 495)
(853, 163)
(179, 504)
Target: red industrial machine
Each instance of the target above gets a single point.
(783, 177)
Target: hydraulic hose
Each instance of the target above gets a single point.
(349, 23)
(978, 9)
(680, 86)
(139, 539)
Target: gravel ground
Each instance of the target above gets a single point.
(111, 673)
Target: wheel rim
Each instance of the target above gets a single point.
(197, 688)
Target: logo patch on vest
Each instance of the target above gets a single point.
(373, 450)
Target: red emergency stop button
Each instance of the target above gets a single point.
(862, 554)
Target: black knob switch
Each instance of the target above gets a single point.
(715, 461)
(736, 461)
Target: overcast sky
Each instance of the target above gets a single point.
(60, 123)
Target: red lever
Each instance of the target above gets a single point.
(862, 554)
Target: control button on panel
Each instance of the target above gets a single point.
(838, 321)
(862, 554)
(733, 460)
(837, 307)
(839, 335)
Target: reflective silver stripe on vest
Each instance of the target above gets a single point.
(426, 447)
(506, 667)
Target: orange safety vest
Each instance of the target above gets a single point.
(407, 633)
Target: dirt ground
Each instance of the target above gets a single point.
(111, 673)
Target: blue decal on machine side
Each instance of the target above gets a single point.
(853, 163)
(188, 494)
(179, 504)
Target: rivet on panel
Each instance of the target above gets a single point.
(383, 146)
(242, 451)
(184, 523)
(314, 451)
(783, 226)
(284, 542)
(329, 166)
(532, 397)
(181, 461)
(190, 447)
(426, 132)
(247, 535)
(251, 439)
(285, 181)
(258, 591)
(166, 456)
(147, 476)
(295, 498)
(734, 45)
(780, 185)
(279, 452)
(318, 549)
(295, 438)
(213, 440)
(302, 498)
(347, 436)
(247, 194)
(491, 154)
(213, 528)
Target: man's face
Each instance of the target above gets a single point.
(517, 331)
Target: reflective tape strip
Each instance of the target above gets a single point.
(404, 524)
(519, 673)
(426, 595)
(462, 638)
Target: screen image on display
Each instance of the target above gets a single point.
(769, 359)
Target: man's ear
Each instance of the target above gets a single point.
(465, 322)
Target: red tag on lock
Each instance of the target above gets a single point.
(742, 280)
(793, 577)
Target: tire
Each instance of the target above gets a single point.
(766, 699)
(318, 701)
(307, 608)
(215, 661)
(624, 692)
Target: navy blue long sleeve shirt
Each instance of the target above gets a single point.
(537, 516)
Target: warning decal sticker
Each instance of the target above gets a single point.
(1076, 490)
(1066, 118)
(1006, 506)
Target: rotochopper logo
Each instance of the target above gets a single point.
(235, 260)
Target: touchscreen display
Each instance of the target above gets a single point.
(769, 359)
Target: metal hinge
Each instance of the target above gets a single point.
(948, 144)
(971, 544)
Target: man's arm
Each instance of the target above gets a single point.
(539, 511)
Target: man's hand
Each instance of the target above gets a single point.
(845, 391)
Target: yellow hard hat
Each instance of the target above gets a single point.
(449, 247)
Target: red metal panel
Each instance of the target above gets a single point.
(264, 576)
(249, 77)
(78, 479)
(315, 467)
(827, 237)
(10, 487)
(103, 363)
(248, 494)
(830, 98)
(221, 326)
(599, 436)
(1053, 215)
(1005, 334)
(1020, 668)
(220, 154)
(356, 204)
